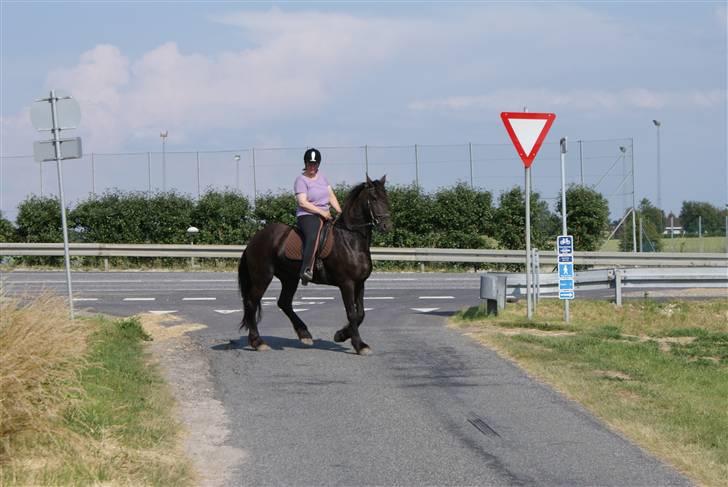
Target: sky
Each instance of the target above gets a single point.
(224, 77)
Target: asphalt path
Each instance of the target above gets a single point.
(429, 407)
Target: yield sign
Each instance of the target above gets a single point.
(527, 131)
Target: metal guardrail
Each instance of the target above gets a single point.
(618, 279)
(599, 259)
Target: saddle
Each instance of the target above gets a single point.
(294, 243)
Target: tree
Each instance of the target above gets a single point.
(587, 216)
(7, 230)
(651, 236)
(39, 220)
(692, 212)
(510, 223)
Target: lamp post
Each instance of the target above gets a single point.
(658, 124)
(237, 171)
(163, 135)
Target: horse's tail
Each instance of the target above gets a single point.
(251, 309)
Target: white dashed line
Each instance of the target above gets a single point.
(437, 297)
(163, 312)
(228, 311)
(199, 299)
(298, 310)
(313, 298)
(139, 299)
(85, 299)
(269, 299)
(378, 297)
(368, 309)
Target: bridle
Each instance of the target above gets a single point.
(374, 219)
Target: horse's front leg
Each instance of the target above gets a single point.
(353, 296)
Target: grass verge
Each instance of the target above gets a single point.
(88, 408)
(656, 372)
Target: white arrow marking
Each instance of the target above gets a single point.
(424, 310)
(227, 311)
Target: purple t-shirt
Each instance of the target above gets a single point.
(317, 192)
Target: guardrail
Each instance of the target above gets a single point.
(618, 279)
(600, 259)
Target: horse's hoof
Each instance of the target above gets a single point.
(364, 351)
(307, 341)
(262, 347)
(339, 337)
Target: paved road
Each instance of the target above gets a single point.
(429, 407)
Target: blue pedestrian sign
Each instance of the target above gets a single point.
(565, 244)
(566, 270)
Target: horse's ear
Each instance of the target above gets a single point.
(370, 183)
(383, 180)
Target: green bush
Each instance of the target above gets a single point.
(280, 208)
(224, 218)
(510, 218)
(7, 230)
(587, 216)
(39, 220)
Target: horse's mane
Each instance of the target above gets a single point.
(347, 209)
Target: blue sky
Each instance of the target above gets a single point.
(227, 75)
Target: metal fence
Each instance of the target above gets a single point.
(605, 165)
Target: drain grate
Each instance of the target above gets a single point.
(482, 426)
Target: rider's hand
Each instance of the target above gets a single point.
(326, 215)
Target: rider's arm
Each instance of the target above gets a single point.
(303, 202)
(334, 202)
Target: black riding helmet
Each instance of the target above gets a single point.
(311, 155)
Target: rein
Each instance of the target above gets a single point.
(373, 221)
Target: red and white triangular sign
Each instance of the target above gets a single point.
(527, 131)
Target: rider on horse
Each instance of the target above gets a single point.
(314, 196)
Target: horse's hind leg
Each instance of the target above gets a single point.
(285, 303)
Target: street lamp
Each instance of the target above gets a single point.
(237, 171)
(659, 180)
(163, 135)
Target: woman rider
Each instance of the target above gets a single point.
(314, 197)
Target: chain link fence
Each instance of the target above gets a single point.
(605, 165)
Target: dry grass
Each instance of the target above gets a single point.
(42, 354)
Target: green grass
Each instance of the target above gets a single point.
(680, 244)
(120, 431)
(656, 371)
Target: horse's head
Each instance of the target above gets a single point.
(378, 202)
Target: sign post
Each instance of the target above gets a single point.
(527, 132)
(55, 113)
(563, 144)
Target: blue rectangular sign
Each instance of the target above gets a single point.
(566, 270)
(566, 284)
(565, 244)
(566, 294)
(566, 258)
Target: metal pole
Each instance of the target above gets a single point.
(93, 175)
(163, 135)
(563, 143)
(529, 302)
(198, 175)
(672, 229)
(66, 254)
(700, 232)
(642, 237)
(417, 168)
(366, 160)
(581, 162)
(659, 176)
(634, 209)
(470, 152)
(237, 173)
(255, 190)
(40, 166)
(149, 172)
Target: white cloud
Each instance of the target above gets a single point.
(575, 99)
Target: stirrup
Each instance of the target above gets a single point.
(306, 277)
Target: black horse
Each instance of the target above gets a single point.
(347, 266)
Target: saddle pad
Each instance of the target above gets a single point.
(294, 245)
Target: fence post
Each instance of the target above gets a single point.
(470, 156)
(417, 168)
(618, 287)
(93, 175)
(198, 174)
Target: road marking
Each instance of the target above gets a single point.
(437, 297)
(378, 297)
(139, 299)
(392, 279)
(368, 309)
(162, 312)
(424, 310)
(269, 299)
(313, 298)
(228, 311)
(298, 310)
(199, 299)
(85, 299)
